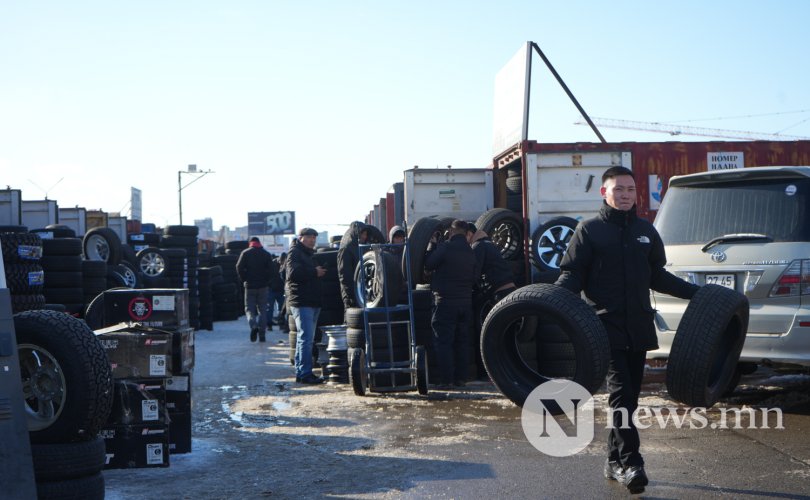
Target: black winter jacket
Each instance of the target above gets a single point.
(254, 267)
(276, 280)
(454, 270)
(491, 263)
(303, 287)
(347, 258)
(616, 258)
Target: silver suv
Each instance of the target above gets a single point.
(749, 230)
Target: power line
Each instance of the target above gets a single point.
(740, 116)
(684, 130)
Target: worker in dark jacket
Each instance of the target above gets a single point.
(494, 281)
(303, 289)
(347, 258)
(254, 268)
(454, 270)
(616, 258)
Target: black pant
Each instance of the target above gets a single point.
(451, 324)
(624, 377)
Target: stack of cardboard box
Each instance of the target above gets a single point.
(151, 349)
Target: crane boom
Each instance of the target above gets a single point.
(684, 130)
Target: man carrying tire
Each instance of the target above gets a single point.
(454, 271)
(616, 258)
(303, 290)
(347, 258)
(254, 268)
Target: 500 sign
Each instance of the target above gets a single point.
(271, 223)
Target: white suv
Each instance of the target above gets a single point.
(749, 230)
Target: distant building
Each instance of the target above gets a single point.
(206, 227)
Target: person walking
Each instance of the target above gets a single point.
(616, 258)
(454, 270)
(303, 290)
(254, 268)
(347, 258)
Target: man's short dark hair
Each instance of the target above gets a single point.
(459, 225)
(255, 240)
(616, 172)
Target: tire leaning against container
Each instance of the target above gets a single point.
(549, 243)
(67, 379)
(707, 346)
(505, 229)
(550, 304)
(419, 237)
(102, 243)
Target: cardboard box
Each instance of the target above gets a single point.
(178, 394)
(157, 307)
(135, 352)
(180, 433)
(139, 401)
(183, 349)
(136, 446)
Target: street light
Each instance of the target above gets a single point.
(192, 169)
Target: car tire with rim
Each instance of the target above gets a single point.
(549, 243)
(505, 229)
(102, 243)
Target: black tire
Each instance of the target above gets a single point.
(378, 279)
(102, 243)
(62, 246)
(355, 338)
(357, 371)
(94, 269)
(130, 274)
(64, 295)
(81, 488)
(63, 279)
(61, 355)
(514, 185)
(27, 302)
(13, 229)
(181, 231)
(354, 317)
(21, 247)
(707, 346)
(549, 242)
(236, 246)
(128, 255)
(60, 461)
(419, 237)
(23, 279)
(178, 241)
(55, 231)
(505, 228)
(152, 262)
(550, 305)
(61, 263)
(422, 378)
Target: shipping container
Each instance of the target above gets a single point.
(37, 214)
(10, 207)
(119, 225)
(463, 193)
(96, 218)
(395, 206)
(74, 218)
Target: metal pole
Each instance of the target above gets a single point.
(180, 195)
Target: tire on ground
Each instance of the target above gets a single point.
(551, 306)
(68, 377)
(707, 346)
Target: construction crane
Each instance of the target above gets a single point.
(684, 130)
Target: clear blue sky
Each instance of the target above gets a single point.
(318, 106)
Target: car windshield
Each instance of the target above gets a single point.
(695, 214)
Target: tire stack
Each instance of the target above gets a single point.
(422, 315)
(331, 300)
(235, 248)
(204, 278)
(143, 240)
(356, 338)
(94, 279)
(62, 263)
(22, 252)
(514, 189)
(225, 289)
(68, 453)
(185, 237)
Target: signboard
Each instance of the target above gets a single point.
(725, 161)
(271, 223)
(511, 113)
(656, 186)
(135, 210)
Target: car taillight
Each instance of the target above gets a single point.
(794, 281)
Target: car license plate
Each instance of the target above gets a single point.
(726, 280)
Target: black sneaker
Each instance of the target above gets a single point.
(254, 332)
(635, 479)
(614, 471)
(309, 379)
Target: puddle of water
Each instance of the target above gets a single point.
(281, 405)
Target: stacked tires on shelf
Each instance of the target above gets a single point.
(225, 288)
(174, 239)
(64, 277)
(234, 248)
(22, 252)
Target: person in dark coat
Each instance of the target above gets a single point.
(254, 268)
(616, 258)
(275, 294)
(303, 290)
(454, 270)
(347, 258)
(495, 280)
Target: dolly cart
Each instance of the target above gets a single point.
(391, 360)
